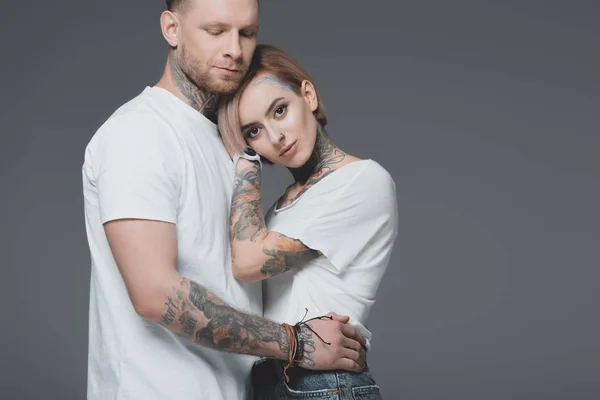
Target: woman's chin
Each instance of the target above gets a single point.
(294, 163)
(287, 164)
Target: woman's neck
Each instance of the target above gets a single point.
(325, 156)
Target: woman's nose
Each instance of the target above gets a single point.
(277, 137)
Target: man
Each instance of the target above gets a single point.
(166, 315)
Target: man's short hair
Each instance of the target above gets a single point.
(178, 4)
(175, 4)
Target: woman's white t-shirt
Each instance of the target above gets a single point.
(351, 217)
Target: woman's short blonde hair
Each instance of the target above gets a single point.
(272, 61)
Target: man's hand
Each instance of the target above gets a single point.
(346, 350)
(146, 254)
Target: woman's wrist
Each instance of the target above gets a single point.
(240, 157)
(245, 163)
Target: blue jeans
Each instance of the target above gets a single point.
(269, 383)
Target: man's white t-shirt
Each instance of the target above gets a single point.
(157, 158)
(351, 217)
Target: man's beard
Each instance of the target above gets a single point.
(202, 78)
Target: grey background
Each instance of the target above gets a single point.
(485, 113)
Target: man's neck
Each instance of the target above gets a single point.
(178, 83)
(325, 157)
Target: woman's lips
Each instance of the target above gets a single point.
(286, 149)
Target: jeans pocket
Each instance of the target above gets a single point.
(323, 394)
(305, 384)
(369, 392)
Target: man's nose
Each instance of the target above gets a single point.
(233, 47)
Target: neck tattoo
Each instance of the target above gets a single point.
(324, 157)
(199, 99)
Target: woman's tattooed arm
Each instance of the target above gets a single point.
(257, 253)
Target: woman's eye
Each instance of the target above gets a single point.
(279, 111)
(252, 132)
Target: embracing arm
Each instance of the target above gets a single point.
(146, 254)
(257, 253)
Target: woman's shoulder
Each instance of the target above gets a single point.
(371, 193)
(374, 168)
(370, 173)
(365, 181)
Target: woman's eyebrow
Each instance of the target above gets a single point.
(267, 113)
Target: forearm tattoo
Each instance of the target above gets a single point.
(287, 254)
(200, 99)
(247, 218)
(247, 223)
(198, 315)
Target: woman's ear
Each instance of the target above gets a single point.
(308, 92)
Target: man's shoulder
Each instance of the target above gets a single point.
(142, 109)
(139, 116)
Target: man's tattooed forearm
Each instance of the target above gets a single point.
(229, 329)
(169, 315)
(188, 323)
(197, 314)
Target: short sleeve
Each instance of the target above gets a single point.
(137, 171)
(349, 213)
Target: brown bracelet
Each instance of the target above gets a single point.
(293, 341)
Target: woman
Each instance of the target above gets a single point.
(325, 244)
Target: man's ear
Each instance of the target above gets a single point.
(170, 26)
(309, 93)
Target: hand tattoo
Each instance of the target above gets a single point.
(308, 345)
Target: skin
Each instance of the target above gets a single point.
(210, 35)
(273, 117)
(212, 42)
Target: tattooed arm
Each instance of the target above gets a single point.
(146, 254)
(257, 253)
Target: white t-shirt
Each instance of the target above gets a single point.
(351, 217)
(157, 158)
